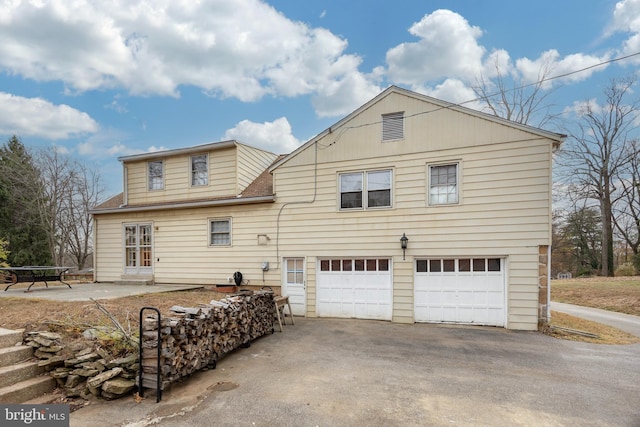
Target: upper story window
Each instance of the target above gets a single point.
(443, 184)
(156, 175)
(392, 126)
(220, 232)
(365, 190)
(199, 170)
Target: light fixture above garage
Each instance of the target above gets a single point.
(403, 243)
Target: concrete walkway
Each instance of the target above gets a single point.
(86, 291)
(624, 322)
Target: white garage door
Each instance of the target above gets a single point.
(465, 290)
(358, 288)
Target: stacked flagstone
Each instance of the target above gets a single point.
(84, 372)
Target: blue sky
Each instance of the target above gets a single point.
(97, 80)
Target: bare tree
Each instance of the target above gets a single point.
(70, 191)
(626, 209)
(513, 99)
(57, 176)
(597, 152)
(88, 192)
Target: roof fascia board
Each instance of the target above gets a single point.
(187, 205)
(178, 151)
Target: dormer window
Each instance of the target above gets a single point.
(199, 170)
(393, 126)
(156, 175)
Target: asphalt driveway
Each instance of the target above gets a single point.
(338, 372)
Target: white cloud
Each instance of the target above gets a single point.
(274, 136)
(556, 66)
(452, 90)
(445, 38)
(626, 19)
(153, 149)
(244, 50)
(448, 60)
(40, 118)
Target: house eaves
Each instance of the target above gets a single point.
(557, 138)
(235, 201)
(178, 151)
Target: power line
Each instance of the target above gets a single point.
(459, 104)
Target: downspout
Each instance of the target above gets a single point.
(549, 285)
(315, 190)
(125, 193)
(95, 249)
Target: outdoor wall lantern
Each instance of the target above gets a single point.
(403, 243)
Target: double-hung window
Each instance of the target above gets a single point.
(365, 190)
(199, 170)
(220, 232)
(443, 184)
(156, 175)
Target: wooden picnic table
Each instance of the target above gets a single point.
(33, 274)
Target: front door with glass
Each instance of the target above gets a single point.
(138, 249)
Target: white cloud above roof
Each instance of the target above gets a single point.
(40, 118)
(274, 136)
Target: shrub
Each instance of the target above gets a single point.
(626, 269)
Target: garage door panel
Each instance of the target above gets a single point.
(365, 294)
(471, 297)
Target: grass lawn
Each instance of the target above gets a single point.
(621, 294)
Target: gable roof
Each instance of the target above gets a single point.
(556, 137)
(174, 152)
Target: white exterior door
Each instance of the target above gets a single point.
(138, 249)
(355, 288)
(293, 285)
(465, 290)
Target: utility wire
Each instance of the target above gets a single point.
(459, 104)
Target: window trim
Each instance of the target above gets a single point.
(390, 129)
(149, 177)
(457, 164)
(365, 190)
(210, 221)
(191, 171)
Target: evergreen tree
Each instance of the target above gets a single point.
(21, 193)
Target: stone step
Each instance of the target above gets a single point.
(15, 354)
(18, 372)
(26, 390)
(134, 279)
(141, 282)
(9, 338)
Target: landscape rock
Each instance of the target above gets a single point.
(101, 378)
(123, 361)
(51, 362)
(73, 380)
(117, 387)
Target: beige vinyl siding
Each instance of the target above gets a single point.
(177, 179)
(504, 188)
(231, 170)
(108, 248)
(251, 163)
(181, 248)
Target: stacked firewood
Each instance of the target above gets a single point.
(193, 338)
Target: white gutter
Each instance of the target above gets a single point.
(178, 151)
(187, 205)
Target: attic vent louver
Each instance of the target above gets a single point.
(392, 126)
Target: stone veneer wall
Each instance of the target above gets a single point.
(543, 285)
